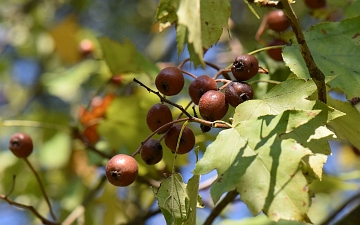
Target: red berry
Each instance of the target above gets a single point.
(121, 170)
(213, 105)
(187, 139)
(157, 116)
(151, 152)
(21, 145)
(277, 21)
(170, 81)
(276, 53)
(245, 67)
(201, 85)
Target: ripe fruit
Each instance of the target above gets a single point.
(245, 67)
(277, 20)
(21, 145)
(205, 128)
(121, 170)
(201, 85)
(187, 139)
(238, 92)
(152, 152)
(315, 4)
(213, 105)
(275, 53)
(170, 81)
(157, 116)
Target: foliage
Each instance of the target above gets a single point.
(81, 106)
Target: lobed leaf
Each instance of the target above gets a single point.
(331, 57)
(263, 167)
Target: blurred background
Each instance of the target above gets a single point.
(52, 76)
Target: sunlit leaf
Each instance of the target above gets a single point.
(330, 56)
(55, 153)
(265, 169)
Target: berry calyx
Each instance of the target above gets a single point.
(187, 139)
(170, 81)
(245, 67)
(213, 105)
(157, 116)
(121, 170)
(21, 145)
(238, 92)
(152, 152)
(201, 85)
(277, 21)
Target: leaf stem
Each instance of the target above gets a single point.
(314, 70)
(41, 187)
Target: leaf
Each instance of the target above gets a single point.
(331, 57)
(346, 127)
(214, 16)
(192, 191)
(173, 199)
(166, 13)
(265, 169)
(290, 94)
(124, 58)
(55, 153)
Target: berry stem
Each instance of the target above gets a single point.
(29, 123)
(314, 71)
(222, 72)
(227, 82)
(188, 73)
(265, 81)
(41, 187)
(265, 49)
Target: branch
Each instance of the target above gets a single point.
(30, 208)
(314, 71)
(41, 187)
(230, 196)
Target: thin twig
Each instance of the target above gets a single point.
(230, 196)
(188, 73)
(163, 99)
(41, 187)
(315, 72)
(30, 208)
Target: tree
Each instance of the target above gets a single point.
(83, 97)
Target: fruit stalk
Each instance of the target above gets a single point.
(314, 70)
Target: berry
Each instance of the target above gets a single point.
(187, 139)
(205, 128)
(157, 116)
(238, 92)
(315, 4)
(170, 81)
(277, 20)
(21, 145)
(152, 152)
(201, 85)
(213, 105)
(276, 53)
(245, 67)
(121, 170)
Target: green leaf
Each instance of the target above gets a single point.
(214, 16)
(265, 169)
(346, 127)
(173, 199)
(290, 94)
(331, 57)
(166, 13)
(124, 58)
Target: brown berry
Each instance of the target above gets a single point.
(187, 139)
(277, 20)
(121, 170)
(170, 81)
(213, 105)
(157, 116)
(152, 152)
(21, 145)
(245, 67)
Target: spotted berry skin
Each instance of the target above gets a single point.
(121, 170)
